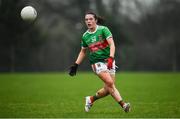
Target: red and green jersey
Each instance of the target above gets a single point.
(97, 43)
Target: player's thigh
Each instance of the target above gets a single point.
(106, 78)
(113, 77)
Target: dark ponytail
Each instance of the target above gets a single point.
(100, 20)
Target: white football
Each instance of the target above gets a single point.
(28, 13)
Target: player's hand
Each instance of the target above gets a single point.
(73, 69)
(110, 62)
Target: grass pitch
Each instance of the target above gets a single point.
(51, 95)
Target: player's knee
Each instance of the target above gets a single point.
(110, 83)
(111, 90)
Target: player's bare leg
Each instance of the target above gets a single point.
(90, 99)
(103, 92)
(109, 82)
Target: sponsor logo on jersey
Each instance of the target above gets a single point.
(98, 45)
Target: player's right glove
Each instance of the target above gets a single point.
(110, 62)
(73, 69)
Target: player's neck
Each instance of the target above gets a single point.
(93, 28)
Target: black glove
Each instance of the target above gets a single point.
(73, 69)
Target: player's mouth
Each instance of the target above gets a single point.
(89, 25)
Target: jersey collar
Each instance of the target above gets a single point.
(93, 31)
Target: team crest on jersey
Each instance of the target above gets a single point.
(100, 37)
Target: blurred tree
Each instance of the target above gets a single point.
(145, 33)
(155, 36)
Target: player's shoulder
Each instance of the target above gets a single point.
(101, 27)
(85, 33)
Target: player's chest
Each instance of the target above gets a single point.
(93, 38)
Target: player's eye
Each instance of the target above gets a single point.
(86, 19)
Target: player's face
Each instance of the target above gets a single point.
(90, 21)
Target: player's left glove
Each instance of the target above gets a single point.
(73, 69)
(110, 62)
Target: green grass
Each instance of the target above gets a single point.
(54, 95)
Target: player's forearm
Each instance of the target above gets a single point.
(112, 50)
(112, 47)
(81, 56)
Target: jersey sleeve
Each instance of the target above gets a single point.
(107, 32)
(83, 44)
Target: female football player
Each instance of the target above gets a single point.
(99, 41)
